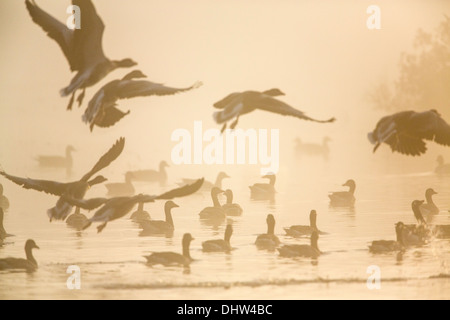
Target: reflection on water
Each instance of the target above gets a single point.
(112, 263)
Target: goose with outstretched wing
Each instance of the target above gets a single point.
(81, 47)
(102, 110)
(115, 208)
(76, 189)
(405, 132)
(239, 103)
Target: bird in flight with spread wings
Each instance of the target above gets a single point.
(102, 110)
(405, 132)
(81, 47)
(76, 189)
(239, 103)
(115, 208)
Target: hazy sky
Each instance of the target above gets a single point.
(320, 53)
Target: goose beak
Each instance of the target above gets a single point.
(36, 247)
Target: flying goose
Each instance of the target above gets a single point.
(299, 250)
(231, 209)
(386, 246)
(121, 188)
(159, 176)
(173, 258)
(76, 189)
(239, 103)
(29, 264)
(4, 202)
(344, 198)
(160, 226)
(442, 168)
(264, 191)
(208, 185)
(140, 214)
(269, 239)
(429, 207)
(102, 110)
(81, 47)
(115, 208)
(219, 245)
(299, 230)
(406, 131)
(216, 212)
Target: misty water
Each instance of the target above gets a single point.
(322, 57)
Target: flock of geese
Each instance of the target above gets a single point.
(405, 132)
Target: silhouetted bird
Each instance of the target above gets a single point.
(268, 240)
(81, 47)
(159, 176)
(167, 226)
(344, 198)
(102, 109)
(406, 131)
(429, 207)
(173, 258)
(264, 191)
(239, 103)
(140, 214)
(442, 167)
(4, 202)
(386, 246)
(219, 245)
(118, 189)
(29, 264)
(231, 209)
(208, 185)
(58, 161)
(115, 208)
(76, 189)
(302, 250)
(299, 230)
(216, 212)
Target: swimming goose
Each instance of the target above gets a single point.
(299, 250)
(4, 202)
(173, 258)
(102, 110)
(3, 233)
(231, 209)
(58, 161)
(385, 246)
(29, 264)
(298, 230)
(269, 239)
(239, 103)
(406, 131)
(115, 208)
(216, 212)
(77, 220)
(442, 168)
(219, 245)
(429, 207)
(344, 198)
(81, 47)
(152, 175)
(121, 188)
(264, 191)
(76, 189)
(312, 149)
(207, 186)
(140, 214)
(159, 226)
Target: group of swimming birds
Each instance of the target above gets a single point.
(405, 132)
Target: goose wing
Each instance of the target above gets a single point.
(141, 88)
(225, 102)
(429, 125)
(87, 204)
(271, 104)
(106, 159)
(50, 187)
(56, 30)
(88, 39)
(183, 191)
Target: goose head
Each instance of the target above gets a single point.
(274, 92)
(30, 244)
(124, 63)
(222, 175)
(163, 165)
(430, 192)
(70, 149)
(186, 242)
(229, 194)
(313, 219)
(350, 183)
(272, 178)
(97, 180)
(270, 221)
(135, 74)
(170, 205)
